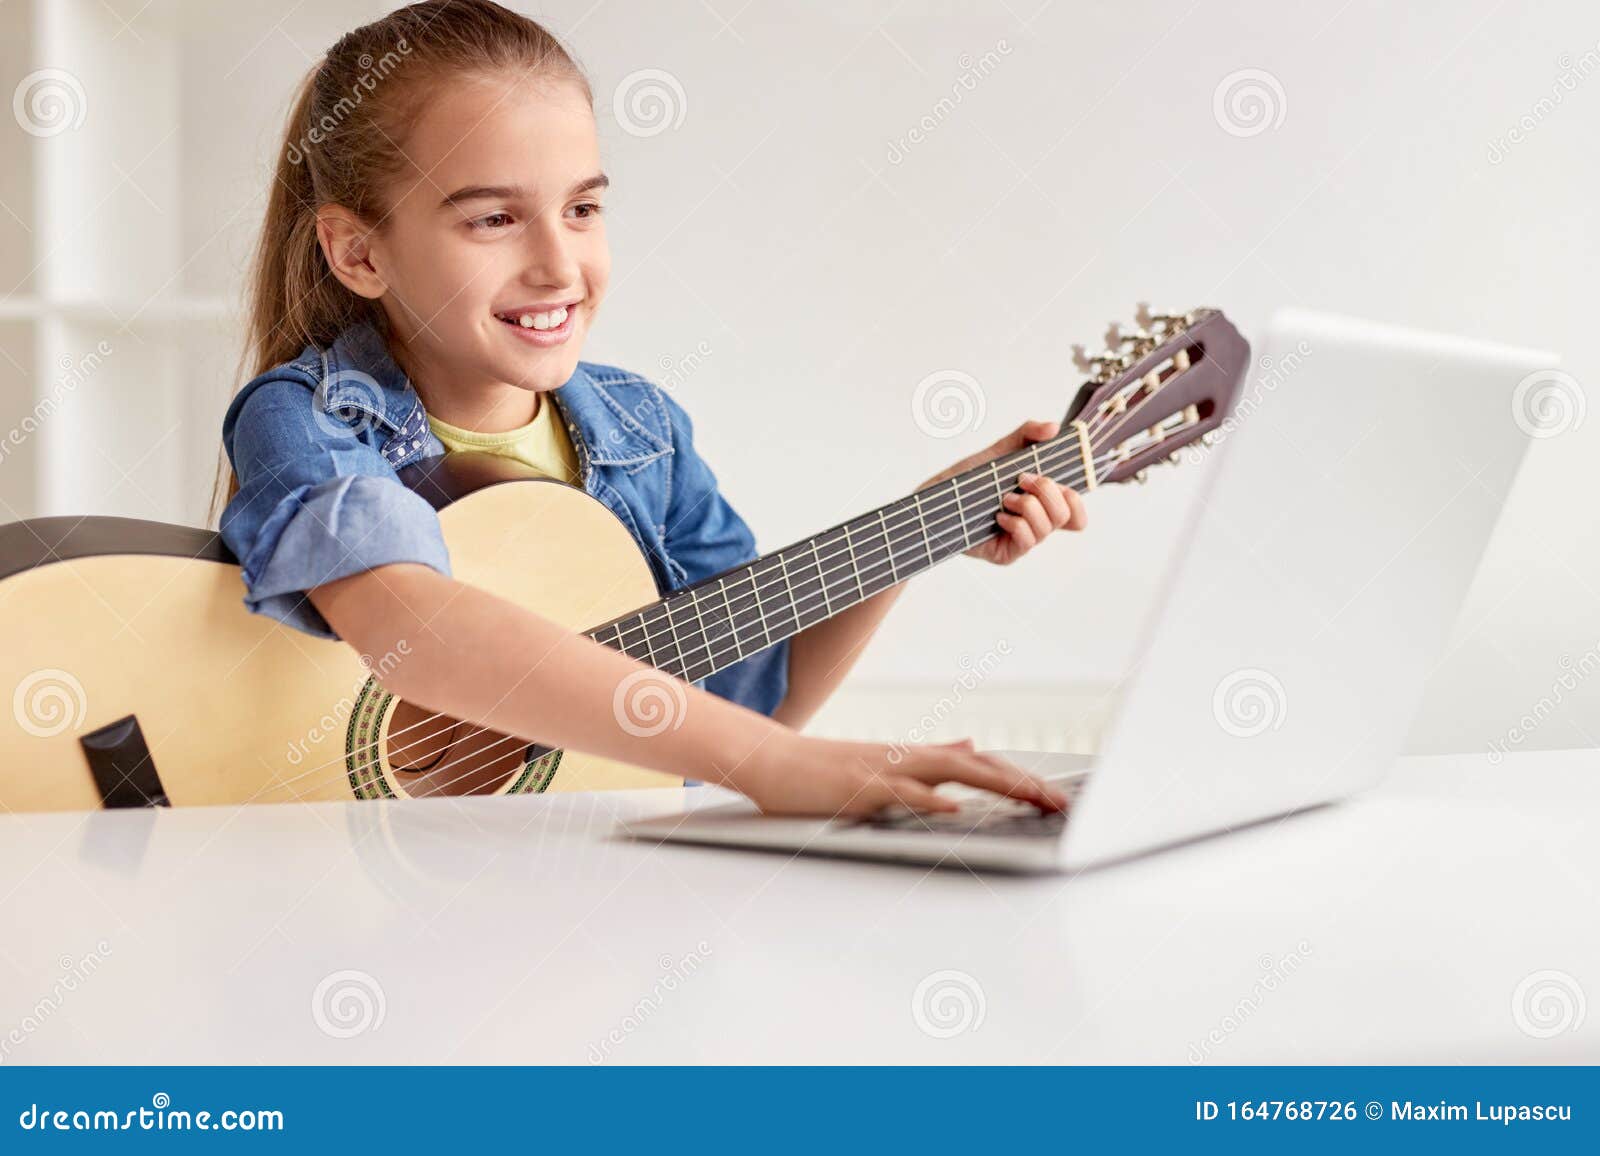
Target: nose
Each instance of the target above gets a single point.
(550, 259)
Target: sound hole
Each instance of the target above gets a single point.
(433, 754)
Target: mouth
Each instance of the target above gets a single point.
(541, 325)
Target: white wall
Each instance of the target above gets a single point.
(828, 269)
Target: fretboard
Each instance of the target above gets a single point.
(727, 617)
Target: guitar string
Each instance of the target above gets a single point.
(1063, 446)
(890, 547)
(481, 764)
(916, 550)
(1114, 456)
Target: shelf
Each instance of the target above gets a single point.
(115, 361)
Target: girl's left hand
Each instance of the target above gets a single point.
(1030, 516)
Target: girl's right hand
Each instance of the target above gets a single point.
(812, 776)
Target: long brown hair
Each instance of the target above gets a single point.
(342, 145)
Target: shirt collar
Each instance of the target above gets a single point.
(357, 373)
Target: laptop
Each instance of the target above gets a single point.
(1343, 509)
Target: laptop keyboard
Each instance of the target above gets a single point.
(984, 813)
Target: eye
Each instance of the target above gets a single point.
(587, 209)
(491, 222)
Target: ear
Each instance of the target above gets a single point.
(345, 241)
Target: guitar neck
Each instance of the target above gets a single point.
(720, 620)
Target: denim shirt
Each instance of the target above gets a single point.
(316, 444)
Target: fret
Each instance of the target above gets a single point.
(705, 635)
(675, 657)
(788, 587)
(888, 546)
(855, 563)
(961, 512)
(927, 543)
(871, 555)
(755, 591)
(713, 629)
(733, 620)
(821, 580)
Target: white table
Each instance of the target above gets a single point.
(1400, 926)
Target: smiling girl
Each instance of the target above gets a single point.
(433, 257)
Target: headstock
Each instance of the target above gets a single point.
(1156, 388)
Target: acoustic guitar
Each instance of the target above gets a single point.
(138, 678)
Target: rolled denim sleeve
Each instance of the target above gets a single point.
(315, 503)
(705, 535)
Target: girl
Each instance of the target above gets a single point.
(433, 257)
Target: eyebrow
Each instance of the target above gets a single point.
(515, 192)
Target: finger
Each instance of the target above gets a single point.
(1033, 510)
(908, 792)
(1053, 796)
(1038, 431)
(1080, 513)
(1017, 527)
(1048, 491)
(992, 773)
(1025, 434)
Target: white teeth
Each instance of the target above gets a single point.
(551, 320)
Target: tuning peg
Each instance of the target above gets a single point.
(1168, 322)
(1102, 366)
(1142, 476)
(1138, 343)
(1208, 438)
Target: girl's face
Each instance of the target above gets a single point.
(497, 229)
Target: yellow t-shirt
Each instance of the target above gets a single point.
(542, 444)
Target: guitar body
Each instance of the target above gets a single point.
(146, 620)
